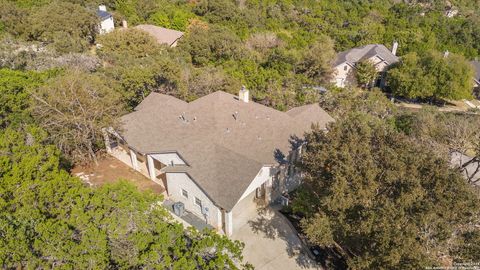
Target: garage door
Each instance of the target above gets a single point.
(245, 210)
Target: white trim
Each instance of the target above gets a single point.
(151, 167)
(228, 223)
(133, 157)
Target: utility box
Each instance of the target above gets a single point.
(179, 208)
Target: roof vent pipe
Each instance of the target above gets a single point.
(243, 94)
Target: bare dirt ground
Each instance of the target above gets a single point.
(110, 170)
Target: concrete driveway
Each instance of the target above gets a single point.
(270, 243)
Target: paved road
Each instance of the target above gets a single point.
(270, 243)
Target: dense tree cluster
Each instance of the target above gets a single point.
(372, 189)
(447, 134)
(49, 219)
(381, 189)
(383, 199)
(432, 75)
(69, 27)
(279, 50)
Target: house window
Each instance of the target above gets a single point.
(184, 193)
(198, 202)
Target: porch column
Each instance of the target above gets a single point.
(219, 219)
(228, 223)
(106, 138)
(151, 167)
(133, 157)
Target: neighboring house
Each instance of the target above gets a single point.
(476, 79)
(471, 171)
(162, 35)
(106, 20)
(220, 155)
(451, 12)
(377, 54)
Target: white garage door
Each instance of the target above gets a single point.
(245, 210)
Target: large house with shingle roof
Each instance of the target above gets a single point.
(219, 155)
(377, 54)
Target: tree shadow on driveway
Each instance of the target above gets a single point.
(271, 224)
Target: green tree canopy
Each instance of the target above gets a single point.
(385, 200)
(365, 73)
(49, 219)
(123, 45)
(209, 44)
(14, 95)
(316, 62)
(432, 75)
(68, 26)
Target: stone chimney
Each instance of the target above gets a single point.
(124, 24)
(394, 48)
(243, 94)
(102, 8)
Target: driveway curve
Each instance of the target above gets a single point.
(271, 243)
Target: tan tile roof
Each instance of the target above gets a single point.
(224, 141)
(162, 35)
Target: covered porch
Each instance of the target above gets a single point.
(149, 165)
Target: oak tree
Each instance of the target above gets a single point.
(383, 199)
(73, 109)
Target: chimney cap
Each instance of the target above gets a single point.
(243, 94)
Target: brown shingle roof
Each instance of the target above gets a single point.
(162, 35)
(355, 55)
(224, 141)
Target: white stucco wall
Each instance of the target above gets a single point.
(380, 65)
(178, 181)
(106, 26)
(169, 159)
(342, 71)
